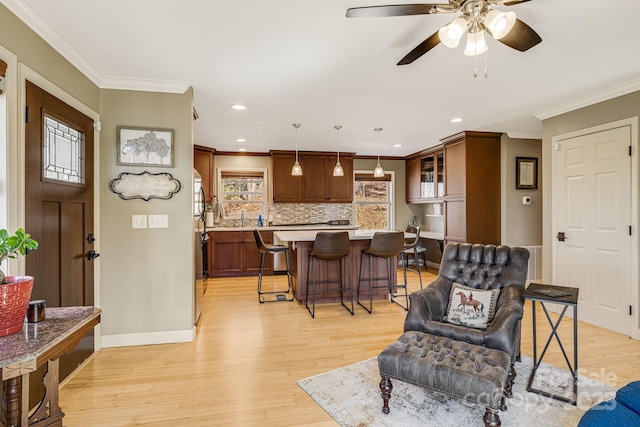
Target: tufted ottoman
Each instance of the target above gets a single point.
(459, 369)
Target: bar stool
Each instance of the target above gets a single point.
(329, 246)
(385, 245)
(267, 248)
(412, 249)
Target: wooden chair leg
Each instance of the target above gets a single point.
(491, 418)
(509, 385)
(385, 391)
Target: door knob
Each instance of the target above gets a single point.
(91, 255)
(561, 237)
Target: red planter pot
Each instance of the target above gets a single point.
(14, 302)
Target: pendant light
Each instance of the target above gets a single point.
(378, 172)
(296, 170)
(337, 170)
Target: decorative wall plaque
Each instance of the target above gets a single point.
(145, 186)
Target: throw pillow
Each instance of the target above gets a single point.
(471, 307)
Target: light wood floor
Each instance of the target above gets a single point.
(242, 368)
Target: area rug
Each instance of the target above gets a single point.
(352, 397)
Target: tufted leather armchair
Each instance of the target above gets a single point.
(481, 267)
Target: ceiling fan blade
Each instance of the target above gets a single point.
(421, 49)
(521, 37)
(398, 10)
(514, 2)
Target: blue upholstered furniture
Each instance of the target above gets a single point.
(624, 410)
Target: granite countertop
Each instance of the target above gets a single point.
(36, 338)
(432, 235)
(285, 227)
(310, 235)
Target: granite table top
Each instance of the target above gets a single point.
(36, 339)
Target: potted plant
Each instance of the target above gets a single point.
(15, 291)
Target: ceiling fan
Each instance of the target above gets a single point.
(477, 16)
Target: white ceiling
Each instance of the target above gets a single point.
(295, 61)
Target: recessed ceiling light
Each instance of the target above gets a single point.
(242, 149)
(397, 145)
(238, 107)
(456, 120)
(240, 140)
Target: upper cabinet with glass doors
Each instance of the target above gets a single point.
(425, 177)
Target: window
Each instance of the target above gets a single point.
(63, 152)
(242, 191)
(372, 200)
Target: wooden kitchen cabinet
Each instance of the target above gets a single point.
(425, 176)
(235, 253)
(286, 188)
(317, 183)
(203, 162)
(472, 187)
(412, 167)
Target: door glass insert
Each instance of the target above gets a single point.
(63, 152)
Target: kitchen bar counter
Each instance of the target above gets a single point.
(285, 227)
(301, 243)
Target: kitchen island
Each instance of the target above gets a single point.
(233, 251)
(301, 242)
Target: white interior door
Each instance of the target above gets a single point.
(592, 207)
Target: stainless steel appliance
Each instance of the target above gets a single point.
(201, 243)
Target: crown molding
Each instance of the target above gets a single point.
(594, 98)
(39, 24)
(147, 85)
(524, 135)
(50, 34)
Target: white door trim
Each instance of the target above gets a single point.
(632, 122)
(25, 73)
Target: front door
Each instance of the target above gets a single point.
(592, 219)
(59, 207)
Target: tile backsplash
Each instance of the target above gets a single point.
(299, 213)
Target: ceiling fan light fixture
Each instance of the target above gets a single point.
(476, 44)
(499, 23)
(451, 34)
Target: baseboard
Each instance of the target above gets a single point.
(149, 338)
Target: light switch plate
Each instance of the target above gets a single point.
(158, 221)
(138, 221)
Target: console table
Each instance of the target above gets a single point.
(568, 297)
(37, 344)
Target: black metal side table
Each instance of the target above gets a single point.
(539, 293)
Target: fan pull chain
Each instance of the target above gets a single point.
(486, 64)
(475, 65)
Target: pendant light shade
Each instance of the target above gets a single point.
(499, 23)
(378, 172)
(337, 170)
(476, 44)
(451, 34)
(296, 170)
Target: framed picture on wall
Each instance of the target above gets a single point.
(526, 173)
(145, 147)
